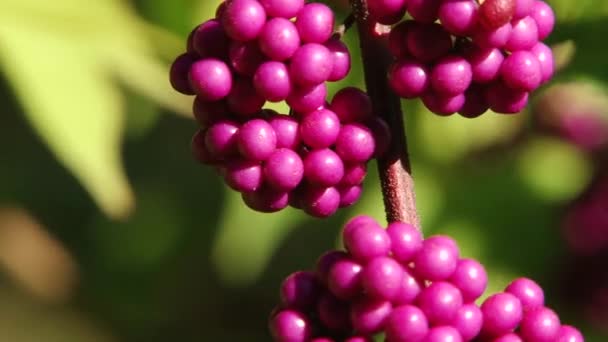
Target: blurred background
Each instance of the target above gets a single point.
(110, 231)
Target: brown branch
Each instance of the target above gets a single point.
(394, 167)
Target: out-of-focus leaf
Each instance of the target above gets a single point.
(563, 53)
(568, 10)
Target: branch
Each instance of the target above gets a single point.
(394, 167)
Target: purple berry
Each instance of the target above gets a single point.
(341, 59)
(459, 17)
(540, 324)
(287, 131)
(351, 105)
(257, 140)
(211, 79)
(408, 78)
(243, 20)
(178, 76)
(495, 13)
(320, 128)
(290, 326)
(354, 174)
(321, 202)
(468, 321)
(355, 143)
(440, 302)
(475, 103)
(397, 39)
(569, 333)
(524, 34)
(199, 150)
(245, 58)
(368, 316)
(406, 323)
(509, 337)
(208, 112)
(271, 80)
(505, 100)
(452, 75)
(471, 278)
(221, 139)
(424, 11)
(428, 42)
(406, 241)
(382, 136)
(521, 70)
(544, 17)
(545, 58)
(344, 278)
(493, 38)
(349, 194)
(485, 63)
(326, 262)
(387, 12)
(300, 290)
(502, 313)
(323, 168)
(311, 64)
(523, 8)
(443, 334)
(266, 200)
(529, 293)
(284, 169)
(243, 175)
(409, 290)
(438, 258)
(334, 313)
(443, 105)
(366, 240)
(243, 99)
(315, 23)
(308, 98)
(279, 39)
(210, 40)
(282, 8)
(382, 278)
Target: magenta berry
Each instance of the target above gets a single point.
(257, 140)
(243, 175)
(540, 324)
(279, 39)
(320, 128)
(406, 241)
(382, 278)
(271, 80)
(315, 23)
(351, 105)
(290, 326)
(178, 76)
(282, 8)
(468, 321)
(440, 302)
(529, 293)
(409, 79)
(365, 240)
(438, 258)
(344, 278)
(300, 290)
(502, 313)
(211, 79)
(369, 316)
(284, 169)
(406, 323)
(243, 20)
(323, 167)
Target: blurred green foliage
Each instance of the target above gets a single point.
(92, 150)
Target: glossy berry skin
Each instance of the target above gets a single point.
(287, 131)
(351, 105)
(510, 337)
(368, 316)
(424, 11)
(405, 239)
(349, 194)
(282, 8)
(387, 12)
(471, 278)
(300, 290)
(323, 168)
(569, 333)
(290, 326)
(266, 200)
(382, 278)
(485, 63)
(243, 20)
(315, 23)
(468, 321)
(257, 140)
(529, 293)
(311, 64)
(243, 175)
(326, 261)
(305, 99)
(221, 139)
(544, 17)
(321, 201)
(408, 78)
(428, 42)
(284, 169)
(271, 80)
(438, 258)
(406, 323)
(279, 39)
(440, 302)
(493, 38)
(344, 278)
(505, 100)
(178, 75)
(366, 240)
(443, 334)
(209, 40)
(544, 55)
(355, 143)
(443, 105)
(341, 59)
(495, 13)
(524, 35)
(459, 17)
(521, 70)
(522, 8)
(354, 174)
(320, 128)
(502, 313)
(211, 79)
(409, 290)
(334, 313)
(475, 103)
(540, 324)
(451, 76)
(245, 58)
(397, 39)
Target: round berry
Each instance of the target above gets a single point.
(271, 80)
(438, 258)
(523, 8)
(320, 128)
(406, 323)
(279, 39)
(397, 38)
(243, 175)
(243, 99)
(321, 202)
(544, 17)
(443, 334)
(475, 103)
(440, 302)
(502, 313)
(524, 35)
(344, 278)
(366, 240)
(334, 313)
(409, 290)
(569, 333)
(287, 131)
(355, 143)
(208, 112)
(406, 241)
(493, 38)
(495, 13)
(341, 59)
(529, 293)
(221, 139)
(307, 98)
(452, 75)
(545, 58)
(300, 290)
(282, 8)
(243, 20)
(382, 278)
(510, 337)
(428, 42)
(290, 326)
(443, 105)
(266, 200)
(257, 140)
(178, 76)
(211, 79)
(351, 105)
(368, 316)
(284, 169)
(349, 194)
(326, 262)
(199, 150)
(408, 78)
(387, 12)
(315, 23)
(505, 100)
(521, 70)
(424, 11)
(471, 278)
(210, 40)
(354, 174)
(459, 17)
(323, 168)
(468, 321)
(382, 136)
(540, 324)
(245, 58)
(485, 63)
(311, 64)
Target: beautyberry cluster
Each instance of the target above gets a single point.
(314, 158)
(475, 58)
(411, 289)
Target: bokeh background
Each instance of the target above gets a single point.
(110, 231)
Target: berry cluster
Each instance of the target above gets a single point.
(412, 289)
(477, 57)
(252, 52)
